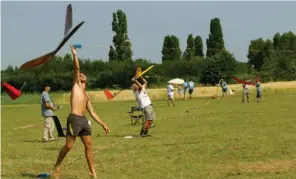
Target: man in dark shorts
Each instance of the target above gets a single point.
(77, 124)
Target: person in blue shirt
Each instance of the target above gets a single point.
(185, 88)
(191, 87)
(47, 108)
(224, 87)
(258, 90)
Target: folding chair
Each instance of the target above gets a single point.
(136, 114)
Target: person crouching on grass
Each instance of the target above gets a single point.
(145, 103)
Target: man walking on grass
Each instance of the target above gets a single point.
(170, 93)
(185, 85)
(258, 90)
(47, 108)
(191, 88)
(246, 93)
(145, 103)
(77, 124)
(224, 87)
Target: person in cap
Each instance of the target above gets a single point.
(47, 108)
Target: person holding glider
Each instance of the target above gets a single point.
(145, 103)
(77, 124)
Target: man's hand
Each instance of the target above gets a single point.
(106, 128)
(54, 108)
(73, 49)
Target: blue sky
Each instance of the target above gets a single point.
(30, 29)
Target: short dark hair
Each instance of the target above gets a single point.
(45, 85)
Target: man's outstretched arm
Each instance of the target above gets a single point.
(96, 117)
(76, 65)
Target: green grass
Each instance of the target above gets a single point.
(220, 139)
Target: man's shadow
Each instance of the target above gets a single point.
(29, 175)
(32, 141)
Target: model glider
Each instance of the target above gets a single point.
(138, 74)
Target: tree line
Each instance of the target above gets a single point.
(271, 59)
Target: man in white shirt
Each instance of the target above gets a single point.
(170, 91)
(145, 103)
(191, 87)
(246, 92)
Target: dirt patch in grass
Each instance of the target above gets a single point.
(269, 166)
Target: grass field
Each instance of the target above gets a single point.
(220, 139)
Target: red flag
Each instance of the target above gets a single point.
(108, 94)
(11, 91)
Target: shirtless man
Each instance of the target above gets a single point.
(77, 124)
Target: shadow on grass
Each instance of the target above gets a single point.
(40, 141)
(53, 148)
(32, 141)
(29, 175)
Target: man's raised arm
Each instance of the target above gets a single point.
(76, 65)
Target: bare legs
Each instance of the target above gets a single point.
(70, 140)
(63, 152)
(146, 126)
(247, 95)
(171, 98)
(89, 154)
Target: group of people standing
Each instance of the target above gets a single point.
(187, 87)
(246, 91)
(258, 91)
